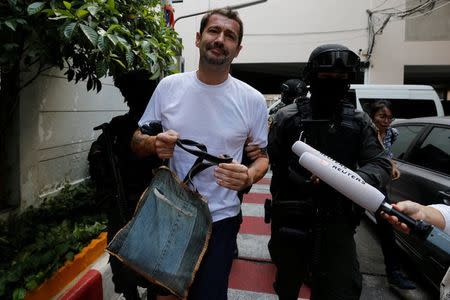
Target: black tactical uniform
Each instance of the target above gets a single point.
(135, 173)
(312, 224)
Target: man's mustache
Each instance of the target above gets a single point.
(217, 46)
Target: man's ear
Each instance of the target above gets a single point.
(198, 37)
(238, 50)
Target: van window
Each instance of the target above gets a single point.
(406, 136)
(405, 108)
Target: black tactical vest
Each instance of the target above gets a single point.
(294, 197)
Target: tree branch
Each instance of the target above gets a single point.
(38, 72)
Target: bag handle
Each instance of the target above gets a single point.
(202, 155)
(202, 152)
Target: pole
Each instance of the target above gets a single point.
(238, 6)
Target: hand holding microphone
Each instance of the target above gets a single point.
(356, 189)
(347, 182)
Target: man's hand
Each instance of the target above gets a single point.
(253, 151)
(233, 176)
(165, 143)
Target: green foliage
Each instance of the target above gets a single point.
(37, 242)
(92, 38)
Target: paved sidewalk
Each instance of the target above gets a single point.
(252, 273)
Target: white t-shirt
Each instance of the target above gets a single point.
(445, 211)
(220, 116)
(445, 284)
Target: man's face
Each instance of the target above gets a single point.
(218, 43)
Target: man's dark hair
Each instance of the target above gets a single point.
(226, 12)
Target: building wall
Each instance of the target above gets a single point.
(57, 121)
(399, 46)
(288, 30)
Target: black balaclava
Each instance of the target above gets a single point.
(136, 88)
(326, 95)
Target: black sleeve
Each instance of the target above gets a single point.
(374, 165)
(276, 140)
(98, 160)
(278, 155)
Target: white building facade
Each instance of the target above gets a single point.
(411, 48)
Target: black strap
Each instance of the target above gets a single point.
(202, 154)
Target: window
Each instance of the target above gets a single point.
(405, 108)
(434, 153)
(406, 135)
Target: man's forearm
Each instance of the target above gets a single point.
(258, 168)
(434, 216)
(142, 144)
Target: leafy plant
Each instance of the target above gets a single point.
(37, 242)
(92, 38)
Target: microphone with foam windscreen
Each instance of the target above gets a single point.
(356, 189)
(300, 147)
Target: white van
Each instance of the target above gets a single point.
(408, 101)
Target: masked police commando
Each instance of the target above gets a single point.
(313, 226)
(291, 90)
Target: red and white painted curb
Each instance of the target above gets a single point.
(252, 273)
(95, 284)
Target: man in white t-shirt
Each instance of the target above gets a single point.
(215, 109)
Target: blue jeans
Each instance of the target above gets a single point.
(167, 236)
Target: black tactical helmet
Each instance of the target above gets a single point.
(331, 58)
(293, 88)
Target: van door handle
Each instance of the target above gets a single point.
(445, 196)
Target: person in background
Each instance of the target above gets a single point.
(435, 214)
(382, 116)
(290, 90)
(133, 172)
(215, 109)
